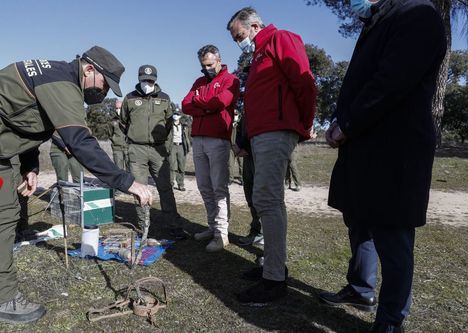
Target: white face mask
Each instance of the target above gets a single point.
(247, 45)
(147, 87)
(362, 8)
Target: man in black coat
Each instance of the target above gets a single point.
(386, 139)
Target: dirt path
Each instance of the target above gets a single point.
(449, 208)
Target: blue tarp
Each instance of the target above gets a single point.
(149, 254)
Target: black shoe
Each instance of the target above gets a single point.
(349, 296)
(182, 188)
(263, 292)
(386, 328)
(178, 233)
(256, 274)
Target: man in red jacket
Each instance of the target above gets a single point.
(211, 103)
(279, 106)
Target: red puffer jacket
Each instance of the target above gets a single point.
(211, 104)
(280, 92)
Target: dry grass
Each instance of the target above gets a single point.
(201, 286)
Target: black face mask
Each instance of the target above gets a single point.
(93, 95)
(209, 73)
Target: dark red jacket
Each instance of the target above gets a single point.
(212, 108)
(280, 92)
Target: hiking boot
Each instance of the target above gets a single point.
(348, 296)
(218, 243)
(264, 292)
(256, 273)
(19, 310)
(178, 234)
(204, 235)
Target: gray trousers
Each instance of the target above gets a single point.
(211, 159)
(271, 152)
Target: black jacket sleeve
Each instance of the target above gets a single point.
(416, 44)
(85, 148)
(29, 161)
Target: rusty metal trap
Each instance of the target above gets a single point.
(140, 299)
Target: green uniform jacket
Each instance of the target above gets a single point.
(116, 134)
(40, 96)
(147, 118)
(186, 143)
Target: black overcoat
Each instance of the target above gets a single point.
(383, 172)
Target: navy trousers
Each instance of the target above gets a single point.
(394, 247)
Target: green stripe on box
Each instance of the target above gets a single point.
(98, 216)
(92, 195)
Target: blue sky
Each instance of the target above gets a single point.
(166, 34)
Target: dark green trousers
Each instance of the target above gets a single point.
(9, 216)
(120, 156)
(233, 160)
(23, 223)
(62, 164)
(154, 160)
(178, 164)
(292, 173)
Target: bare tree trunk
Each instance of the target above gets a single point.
(445, 8)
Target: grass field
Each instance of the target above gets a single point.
(201, 286)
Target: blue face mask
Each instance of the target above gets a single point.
(362, 8)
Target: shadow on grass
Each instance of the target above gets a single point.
(219, 273)
(460, 151)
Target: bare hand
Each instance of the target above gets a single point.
(328, 135)
(338, 136)
(29, 184)
(242, 153)
(142, 192)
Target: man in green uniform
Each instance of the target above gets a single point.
(293, 179)
(38, 97)
(147, 117)
(233, 159)
(63, 161)
(180, 149)
(117, 138)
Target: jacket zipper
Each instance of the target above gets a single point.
(280, 102)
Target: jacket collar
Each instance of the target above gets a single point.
(264, 36)
(155, 93)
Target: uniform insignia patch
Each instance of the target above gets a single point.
(157, 101)
(216, 85)
(138, 102)
(1, 182)
(148, 70)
